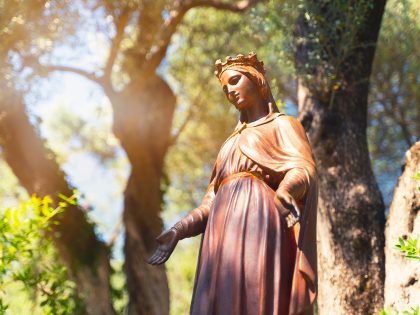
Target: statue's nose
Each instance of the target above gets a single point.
(232, 94)
(231, 90)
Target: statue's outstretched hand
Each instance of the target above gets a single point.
(287, 207)
(167, 242)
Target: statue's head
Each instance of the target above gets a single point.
(244, 82)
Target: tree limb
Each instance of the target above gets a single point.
(120, 25)
(101, 80)
(238, 6)
(184, 124)
(158, 51)
(88, 75)
(115, 233)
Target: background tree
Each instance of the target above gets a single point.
(335, 46)
(402, 284)
(25, 28)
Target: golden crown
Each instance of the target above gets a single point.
(241, 60)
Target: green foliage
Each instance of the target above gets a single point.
(409, 247)
(333, 29)
(29, 261)
(119, 293)
(417, 177)
(391, 311)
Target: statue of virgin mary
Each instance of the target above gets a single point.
(258, 216)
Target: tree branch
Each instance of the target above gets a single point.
(120, 25)
(176, 16)
(239, 6)
(104, 83)
(158, 51)
(115, 233)
(33, 62)
(83, 73)
(184, 124)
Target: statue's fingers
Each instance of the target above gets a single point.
(156, 256)
(296, 220)
(152, 258)
(288, 222)
(162, 253)
(291, 220)
(163, 259)
(153, 262)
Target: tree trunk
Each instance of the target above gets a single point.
(351, 210)
(402, 281)
(142, 122)
(86, 258)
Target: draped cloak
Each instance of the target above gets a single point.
(278, 143)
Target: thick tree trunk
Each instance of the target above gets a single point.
(142, 122)
(402, 280)
(351, 210)
(86, 258)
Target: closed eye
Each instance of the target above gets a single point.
(233, 80)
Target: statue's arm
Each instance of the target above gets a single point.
(195, 222)
(192, 224)
(295, 182)
(292, 188)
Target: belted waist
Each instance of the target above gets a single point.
(239, 175)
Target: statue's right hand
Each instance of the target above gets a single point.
(167, 242)
(287, 207)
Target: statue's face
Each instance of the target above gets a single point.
(239, 89)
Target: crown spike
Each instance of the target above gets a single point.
(249, 60)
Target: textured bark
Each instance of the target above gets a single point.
(86, 258)
(351, 210)
(402, 280)
(142, 122)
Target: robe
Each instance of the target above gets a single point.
(249, 261)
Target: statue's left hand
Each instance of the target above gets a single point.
(167, 242)
(287, 207)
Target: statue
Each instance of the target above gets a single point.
(258, 216)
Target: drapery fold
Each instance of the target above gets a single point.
(249, 262)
